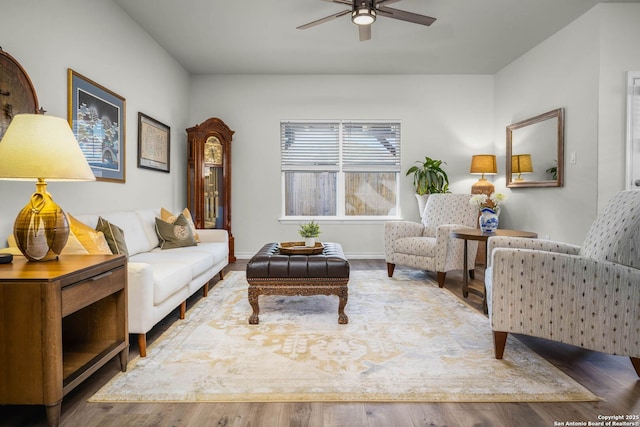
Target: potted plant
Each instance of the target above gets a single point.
(309, 232)
(428, 178)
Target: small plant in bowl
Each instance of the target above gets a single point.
(309, 232)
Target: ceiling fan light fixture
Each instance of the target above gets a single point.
(363, 14)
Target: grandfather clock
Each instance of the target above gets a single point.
(209, 176)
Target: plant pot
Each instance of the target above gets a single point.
(310, 241)
(422, 202)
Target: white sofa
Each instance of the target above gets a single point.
(159, 280)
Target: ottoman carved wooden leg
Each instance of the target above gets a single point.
(253, 301)
(343, 294)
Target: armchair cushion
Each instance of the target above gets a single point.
(422, 246)
(428, 245)
(615, 235)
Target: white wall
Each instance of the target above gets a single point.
(582, 68)
(98, 40)
(620, 52)
(444, 117)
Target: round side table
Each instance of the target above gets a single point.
(478, 235)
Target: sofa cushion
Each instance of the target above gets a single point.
(177, 234)
(198, 261)
(147, 218)
(169, 278)
(114, 236)
(218, 251)
(135, 233)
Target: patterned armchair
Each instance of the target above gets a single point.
(428, 245)
(588, 296)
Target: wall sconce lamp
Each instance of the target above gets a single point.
(521, 163)
(483, 164)
(34, 148)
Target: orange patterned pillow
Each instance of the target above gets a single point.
(93, 241)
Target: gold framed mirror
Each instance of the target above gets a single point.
(535, 151)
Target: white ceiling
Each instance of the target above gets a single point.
(260, 36)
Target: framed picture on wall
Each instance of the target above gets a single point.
(97, 117)
(154, 144)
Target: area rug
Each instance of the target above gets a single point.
(406, 340)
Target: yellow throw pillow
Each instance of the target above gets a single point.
(92, 240)
(175, 235)
(167, 216)
(72, 247)
(114, 236)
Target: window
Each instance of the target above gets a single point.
(340, 169)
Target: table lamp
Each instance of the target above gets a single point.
(36, 147)
(483, 164)
(521, 163)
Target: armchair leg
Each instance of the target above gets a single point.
(472, 274)
(636, 364)
(390, 268)
(499, 341)
(441, 276)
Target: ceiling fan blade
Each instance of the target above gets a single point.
(323, 20)
(364, 31)
(383, 2)
(347, 2)
(402, 15)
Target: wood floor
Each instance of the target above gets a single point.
(612, 378)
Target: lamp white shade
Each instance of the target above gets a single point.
(38, 146)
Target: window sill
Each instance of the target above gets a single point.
(339, 220)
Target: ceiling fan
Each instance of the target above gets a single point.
(364, 13)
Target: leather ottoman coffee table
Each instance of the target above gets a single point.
(271, 272)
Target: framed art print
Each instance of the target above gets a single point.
(97, 117)
(154, 144)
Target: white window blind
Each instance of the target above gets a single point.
(371, 147)
(309, 146)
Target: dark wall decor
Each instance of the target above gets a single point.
(154, 144)
(17, 94)
(97, 117)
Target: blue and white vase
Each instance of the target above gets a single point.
(488, 219)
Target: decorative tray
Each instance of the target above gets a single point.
(298, 248)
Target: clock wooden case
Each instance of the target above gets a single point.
(209, 176)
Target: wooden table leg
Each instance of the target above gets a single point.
(465, 284)
(465, 281)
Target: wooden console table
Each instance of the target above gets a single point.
(60, 321)
(478, 235)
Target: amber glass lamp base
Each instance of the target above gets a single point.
(41, 228)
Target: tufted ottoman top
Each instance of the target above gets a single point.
(269, 263)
